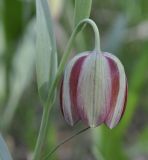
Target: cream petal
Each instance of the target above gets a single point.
(94, 89)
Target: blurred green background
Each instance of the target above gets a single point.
(123, 28)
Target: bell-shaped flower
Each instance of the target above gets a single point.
(94, 89)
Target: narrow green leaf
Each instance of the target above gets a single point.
(23, 64)
(46, 58)
(4, 152)
(82, 10)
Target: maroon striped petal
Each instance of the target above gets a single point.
(69, 89)
(118, 91)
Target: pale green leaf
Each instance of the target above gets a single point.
(46, 57)
(4, 152)
(82, 10)
(23, 65)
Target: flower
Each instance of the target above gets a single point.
(94, 89)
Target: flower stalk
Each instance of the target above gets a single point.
(68, 51)
(63, 142)
(42, 133)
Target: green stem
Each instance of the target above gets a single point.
(68, 51)
(63, 142)
(97, 36)
(42, 133)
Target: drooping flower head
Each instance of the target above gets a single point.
(94, 89)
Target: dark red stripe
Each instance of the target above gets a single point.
(75, 72)
(125, 100)
(61, 97)
(114, 73)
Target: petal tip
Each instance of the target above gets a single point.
(92, 126)
(110, 126)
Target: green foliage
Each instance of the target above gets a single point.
(13, 10)
(82, 10)
(23, 58)
(46, 58)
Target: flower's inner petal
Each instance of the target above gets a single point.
(117, 102)
(94, 89)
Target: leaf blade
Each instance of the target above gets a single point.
(23, 64)
(82, 10)
(46, 60)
